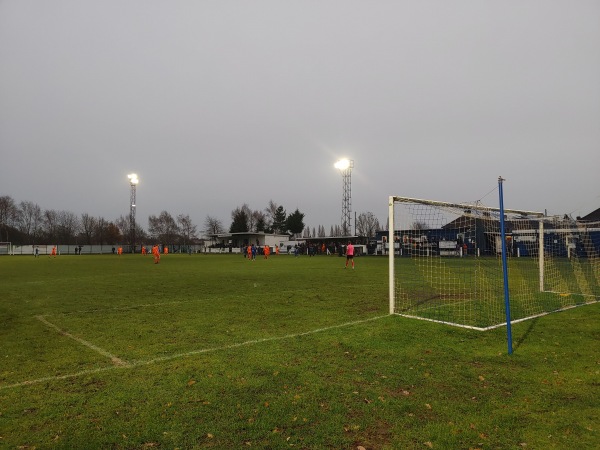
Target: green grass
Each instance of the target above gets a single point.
(219, 352)
(469, 291)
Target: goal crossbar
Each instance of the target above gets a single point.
(466, 206)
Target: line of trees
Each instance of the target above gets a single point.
(367, 225)
(27, 223)
(274, 219)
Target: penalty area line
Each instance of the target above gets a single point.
(62, 377)
(114, 359)
(257, 341)
(132, 365)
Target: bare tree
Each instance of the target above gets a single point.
(321, 231)
(419, 226)
(50, 224)
(212, 225)
(164, 228)
(89, 225)
(367, 224)
(68, 227)
(29, 220)
(271, 215)
(123, 224)
(271, 209)
(8, 215)
(100, 230)
(186, 228)
(112, 235)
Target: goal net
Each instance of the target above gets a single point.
(446, 263)
(5, 248)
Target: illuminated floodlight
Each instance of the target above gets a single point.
(133, 178)
(342, 164)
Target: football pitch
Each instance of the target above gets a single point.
(216, 351)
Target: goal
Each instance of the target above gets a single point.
(446, 263)
(5, 248)
(570, 263)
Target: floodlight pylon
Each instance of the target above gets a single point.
(345, 167)
(133, 181)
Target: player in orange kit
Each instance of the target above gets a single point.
(156, 254)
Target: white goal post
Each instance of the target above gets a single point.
(446, 262)
(5, 248)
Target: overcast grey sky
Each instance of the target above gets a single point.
(219, 103)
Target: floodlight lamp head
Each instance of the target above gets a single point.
(133, 178)
(343, 164)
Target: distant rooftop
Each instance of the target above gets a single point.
(594, 216)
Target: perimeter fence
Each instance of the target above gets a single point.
(95, 249)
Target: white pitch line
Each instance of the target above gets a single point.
(132, 365)
(255, 341)
(120, 308)
(62, 377)
(114, 359)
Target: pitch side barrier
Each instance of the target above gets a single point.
(95, 249)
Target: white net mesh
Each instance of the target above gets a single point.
(447, 263)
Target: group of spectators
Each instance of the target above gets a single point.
(303, 248)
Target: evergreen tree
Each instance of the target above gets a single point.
(295, 222)
(280, 221)
(239, 222)
(261, 224)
